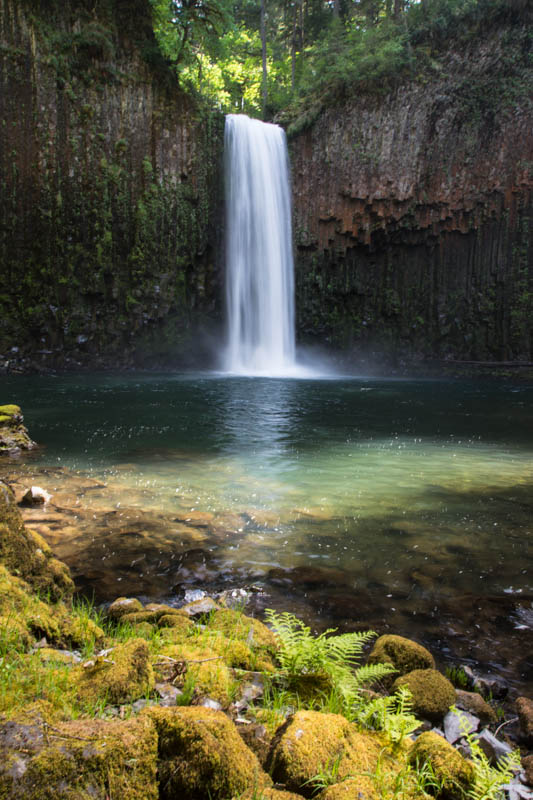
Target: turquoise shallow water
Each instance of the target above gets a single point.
(404, 504)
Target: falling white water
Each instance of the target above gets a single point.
(259, 264)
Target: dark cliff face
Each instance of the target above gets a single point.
(412, 213)
(111, 189)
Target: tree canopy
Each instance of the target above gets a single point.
(271, 57)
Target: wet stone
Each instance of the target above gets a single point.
(457, 724)
(208, 702)
(168, 693)
(200, 607)
(493, 748)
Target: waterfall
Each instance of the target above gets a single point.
(259, 264)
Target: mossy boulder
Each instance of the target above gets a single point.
(311, 739)
(77, 760)
(27, 555)
(202, 755)
(124, 605)
(361, 788)
(124, 675)
(23, 616)
(14, 436)
(433, 694)
(404, 654)
(152, 614)
(180, 622)
(453, 772)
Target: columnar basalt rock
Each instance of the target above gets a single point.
(110, 188)
(412, 211)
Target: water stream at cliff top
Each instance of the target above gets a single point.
(259, 261)
(403, 505)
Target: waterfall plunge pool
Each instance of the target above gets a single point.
(403, 505)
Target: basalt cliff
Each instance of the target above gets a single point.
(412, 211)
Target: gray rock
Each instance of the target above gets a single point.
(138, 705)
(515, 790)
(457, 723)
(208, 702)
(493, 748)
(168, 693)
(200, 607)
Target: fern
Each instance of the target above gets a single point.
(301, 653)
(390, 714)
(488, 780)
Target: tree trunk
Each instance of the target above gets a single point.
(264, 89)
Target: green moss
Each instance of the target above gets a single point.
(454, 772)
(124, 605)
(310, 740)
(22, 553)
(179, 621)
(202, 755)
(206, 668)
(10, 411)
(78, 760)
(404, 654)
(433, 694)
(126, 676)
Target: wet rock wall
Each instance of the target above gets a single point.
(412, 212)
(110, 189)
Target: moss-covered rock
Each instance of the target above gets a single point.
(77, 760)
(124, 605)
(310, 740)
(152, 614)
(251, 644)
(179, 621)
(27, 556)
(433, 694)
(475, 704)
(205, 668)
(404, 654)
(361, 788)
(24, 616)
(202, 755)
(453, 772)
(123, 676)
(14, 436)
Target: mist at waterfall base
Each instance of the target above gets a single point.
(259, 257)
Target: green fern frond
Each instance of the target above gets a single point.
(371, 673)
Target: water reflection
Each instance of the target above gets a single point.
(260, 416)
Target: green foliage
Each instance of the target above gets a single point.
(390, 714)
(488, 780)
(404, 784)
(328, 775)
(301, 653)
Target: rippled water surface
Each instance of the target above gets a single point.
(402, 504)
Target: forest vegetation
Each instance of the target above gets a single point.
(267, 57)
